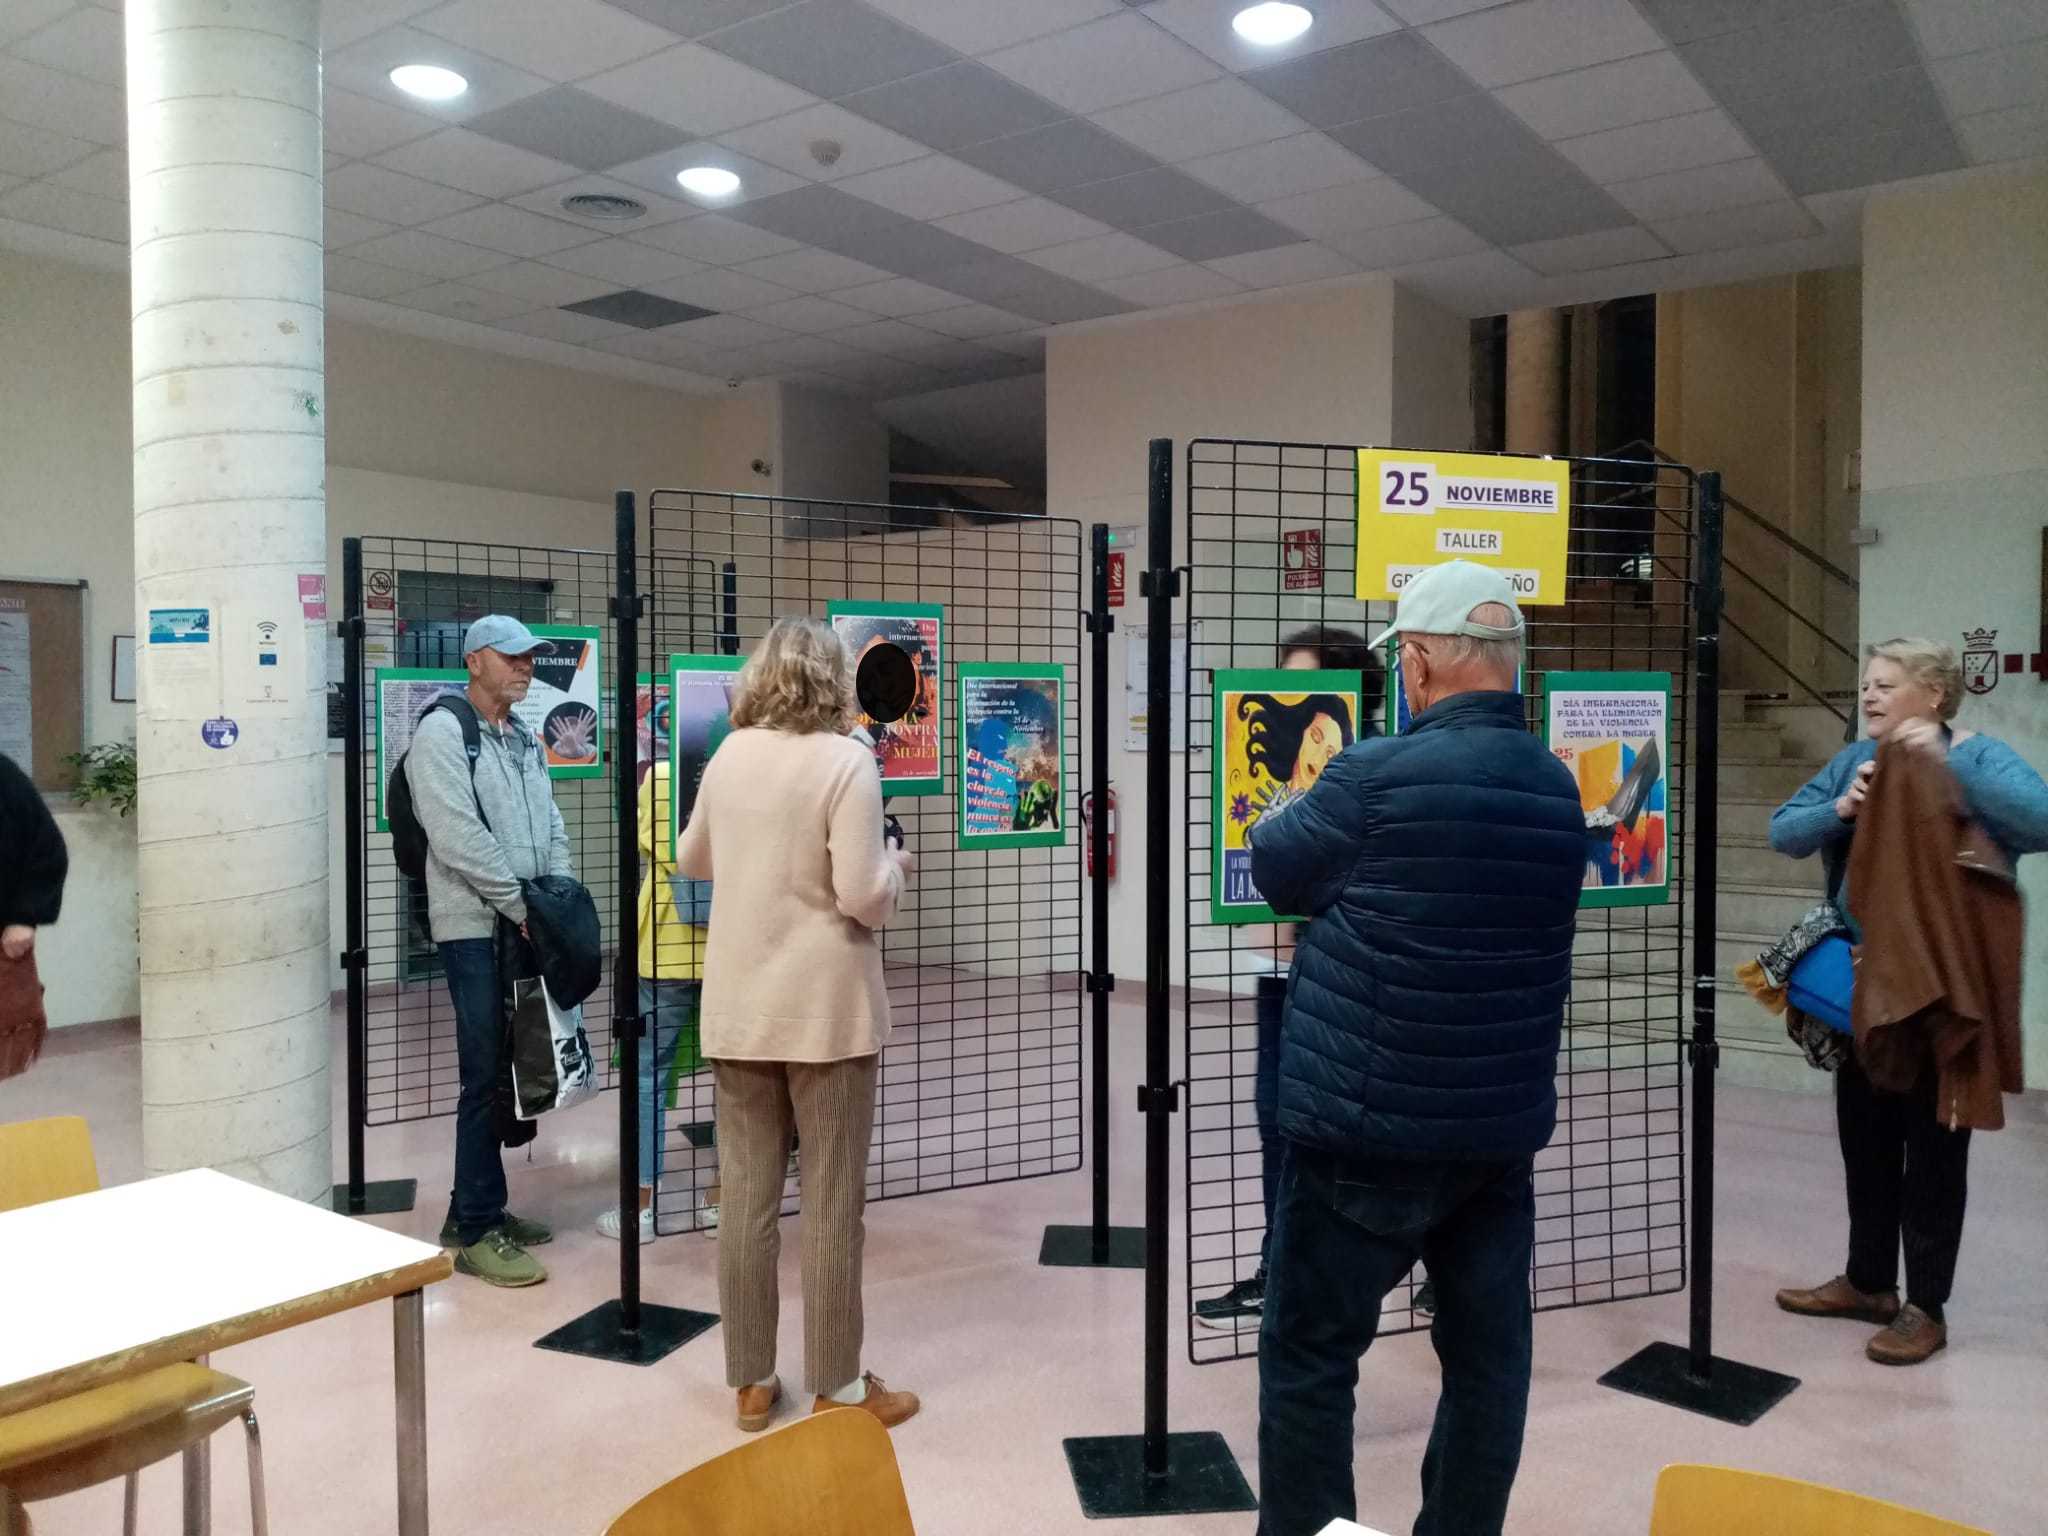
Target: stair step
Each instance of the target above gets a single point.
(1775, 780)
(1759, 864)
(1749, 740)
(1748, 908)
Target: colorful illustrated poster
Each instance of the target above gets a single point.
(403, 695)
(562, 707)
(1011, 755)
(699, 719)
(1275, 733)
(651, 714)
(1613, 730)
(906, 750)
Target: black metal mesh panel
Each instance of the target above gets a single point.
(981, 1080)
(420, 595)
(1609, 1188)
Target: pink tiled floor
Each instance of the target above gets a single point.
(1010, 1357)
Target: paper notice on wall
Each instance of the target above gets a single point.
(268, 653)
(17, 713)
(337, 701)
(181, 668)
(1137, 685)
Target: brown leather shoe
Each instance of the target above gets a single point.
(1838, 1298)
(757, 1406)
(1912, 1338)
(892, 1408)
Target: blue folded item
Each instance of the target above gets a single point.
(1823, 981)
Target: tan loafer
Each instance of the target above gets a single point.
(757, 1406)
(1912, 1338)
(1838, 1298)
(892, 1408)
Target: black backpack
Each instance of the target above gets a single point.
(408, 837)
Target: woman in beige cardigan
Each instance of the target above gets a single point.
(788, 827)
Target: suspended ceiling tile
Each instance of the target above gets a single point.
(1104, 64)
(557, 39)
(1308, 162)
(1532, 38)
(365, 68)
(963, 103)
(1365, 79)
(698, 90)
(934, 187)
(1029, 224)
(717, 240)
(1207, 27)
(787, 142)
(1285, 265)
(982, 26)
(515, 231)
(377, 193)
(583, 130)
(415, 250)
(456, 157)
(1586, 253)
(1615, 95)
(1202, 120)
(831, 48)
(1064, 155)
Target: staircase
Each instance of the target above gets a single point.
(1767, 752)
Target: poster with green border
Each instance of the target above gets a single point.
(907, 750)
(1397, 715)
(565, 707)
(1012, 754)
(699, 718)
(1613, 731)
(403, 695)
(1275, 732)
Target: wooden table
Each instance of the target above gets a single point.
(123, 1280)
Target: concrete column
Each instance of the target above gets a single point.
(224, 152)
(1536, 395)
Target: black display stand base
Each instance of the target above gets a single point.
(1734, 1393)
(1202, 1477)
(1074, 1248)
(597, 1334)
(381, 1197)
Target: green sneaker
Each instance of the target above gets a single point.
(496, 1260)
(523, 1230)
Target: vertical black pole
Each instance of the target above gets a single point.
(1705, 1053)
(1158, 1098)
(729, 601)
(352, 866)
(625, 969)
(1099, 626)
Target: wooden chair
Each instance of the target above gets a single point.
(832, 1474)
(115, 1430)
(1714, 1501)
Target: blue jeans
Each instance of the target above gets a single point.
(666, 1009)
(477, 1202)
(1346, 1234)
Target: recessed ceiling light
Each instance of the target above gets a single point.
(708, 181)
(429, 82)
(1272, 24)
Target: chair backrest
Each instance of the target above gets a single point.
(1714, 1501)
(45, 1160)
(832, 1474)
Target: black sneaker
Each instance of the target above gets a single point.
(1423, 1304)
(1243, 1302)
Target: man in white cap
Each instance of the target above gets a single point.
(489, 825)
(1440, 872)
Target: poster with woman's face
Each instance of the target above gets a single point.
(561, 708)
(650, 725)
(1276, 731)
(906, 750)
(1010, 755)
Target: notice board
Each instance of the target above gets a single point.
(42, 677)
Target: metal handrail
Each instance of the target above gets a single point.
(1819, 560)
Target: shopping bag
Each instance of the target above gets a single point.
(552, 1067)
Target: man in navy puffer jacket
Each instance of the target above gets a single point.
(1441, 871)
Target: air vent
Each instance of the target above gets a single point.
(603, 205)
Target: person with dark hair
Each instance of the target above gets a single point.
(33, 863)
(1293, 743)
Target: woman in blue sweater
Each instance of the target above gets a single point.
(1906, 1173)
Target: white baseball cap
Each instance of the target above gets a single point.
(1440, 602)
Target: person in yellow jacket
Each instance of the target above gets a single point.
(674, 912)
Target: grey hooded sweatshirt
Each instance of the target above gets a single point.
(473, 872)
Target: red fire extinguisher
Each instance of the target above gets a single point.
(1088, 830)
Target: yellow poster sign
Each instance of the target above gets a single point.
(1416, 510)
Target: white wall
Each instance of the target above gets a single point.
(1955, 463)
(1364, 363)
(832, 448)
(424, 438)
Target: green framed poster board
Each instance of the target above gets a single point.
(699, 718)
(1613, 731)
(906, 750)
(565, 707)
(1012, 754)
(1276, 730)
(403, 695)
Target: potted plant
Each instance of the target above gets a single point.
(106, 775)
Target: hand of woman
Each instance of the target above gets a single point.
(906, 861)
(1923, 736)
(1859, 790)
(17, 940)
